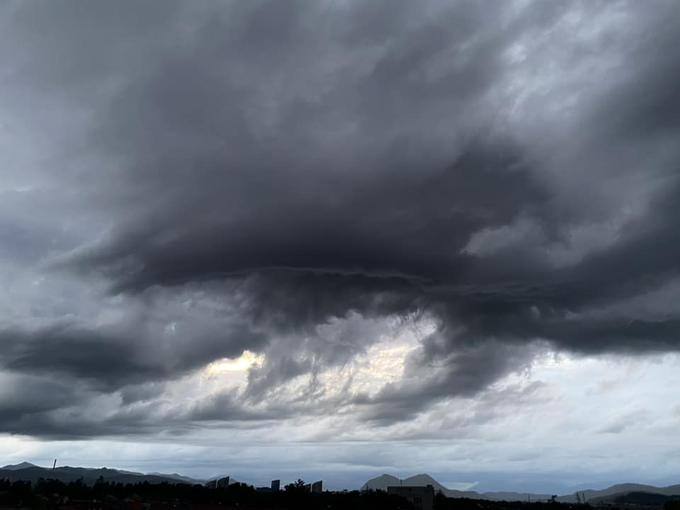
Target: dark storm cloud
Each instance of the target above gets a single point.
(330, 159)
(409, 225)
(109, 360)
(25, 395)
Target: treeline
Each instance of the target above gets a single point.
(103, 495)
(443, 503)
(55, 495)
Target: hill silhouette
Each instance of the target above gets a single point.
(27, 472)
(615, 493)
(21, 465)
(619, 490)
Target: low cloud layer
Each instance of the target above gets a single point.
(312, 185)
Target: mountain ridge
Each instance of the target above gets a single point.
(21, 465)
(618, 490)
(26, 471)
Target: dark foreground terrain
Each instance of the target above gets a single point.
(102, 495)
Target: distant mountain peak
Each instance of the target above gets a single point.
(381, 482)
(21, 465)
(385, 480)
(422, 479)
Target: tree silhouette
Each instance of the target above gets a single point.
(297, 486)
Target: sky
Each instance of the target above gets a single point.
(334, 239)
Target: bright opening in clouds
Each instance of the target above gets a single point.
(335, 239)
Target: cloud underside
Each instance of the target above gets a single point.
(316, 185)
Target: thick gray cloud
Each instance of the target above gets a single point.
(240, 175)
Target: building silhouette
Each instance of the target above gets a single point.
(276, 485)
(317, 487)
(422, 498)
